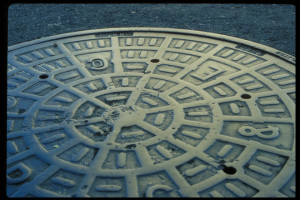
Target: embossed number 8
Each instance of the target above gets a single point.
(251, 131)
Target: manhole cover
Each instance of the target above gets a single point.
(142, 112)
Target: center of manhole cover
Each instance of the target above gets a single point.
(149, 113)
(154, 107)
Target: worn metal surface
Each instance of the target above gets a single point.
(130, 112)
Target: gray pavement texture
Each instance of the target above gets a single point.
(269, 24)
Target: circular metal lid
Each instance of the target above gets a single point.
(149, 112)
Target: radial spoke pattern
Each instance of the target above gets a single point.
(149, 114)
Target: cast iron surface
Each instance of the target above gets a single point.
(135, 112)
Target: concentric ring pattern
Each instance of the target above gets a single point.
(149, 112)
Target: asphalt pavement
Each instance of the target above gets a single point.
(269, 24)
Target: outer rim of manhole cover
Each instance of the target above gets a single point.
(209, 115)
(254, 45)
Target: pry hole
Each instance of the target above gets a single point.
(246, 96)
(155, 60)
(229, 170)
(43, 76)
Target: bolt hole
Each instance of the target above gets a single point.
(43, 76)
(229, 170)
(84, 187)
(155, 60)
(246, 96)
